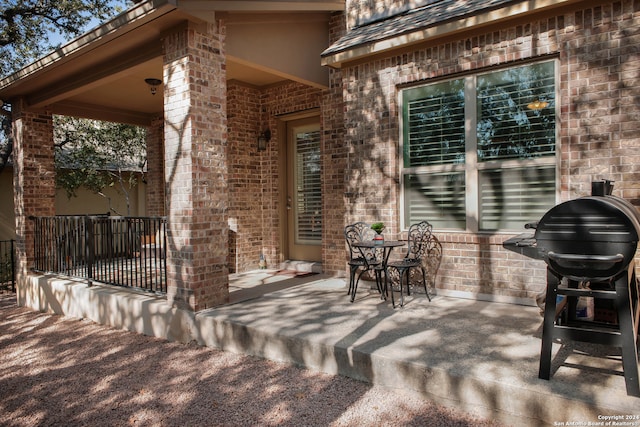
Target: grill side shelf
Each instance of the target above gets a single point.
(523, 244)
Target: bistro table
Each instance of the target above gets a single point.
(386, 246)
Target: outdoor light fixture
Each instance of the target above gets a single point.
(537, 105)
(263, 138)
(153, 84)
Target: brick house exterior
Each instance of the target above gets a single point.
(595, 44)
(224, 199)
(255, 178)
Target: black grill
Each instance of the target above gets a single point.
(591, 240)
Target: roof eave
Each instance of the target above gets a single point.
(199, 6)
(130, 19)
(336, 59)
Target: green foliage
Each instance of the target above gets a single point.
(6, 143)
(27, 26)
(30, 28)
(96, 155)
(378, 227)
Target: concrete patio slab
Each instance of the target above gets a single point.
(478, 356)
(481, 357)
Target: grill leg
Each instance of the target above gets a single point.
(553, 281)
(628, 333)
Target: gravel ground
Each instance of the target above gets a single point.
(58, 371)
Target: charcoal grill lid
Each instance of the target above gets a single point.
(593, 236)
(589, 219)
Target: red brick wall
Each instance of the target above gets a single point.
(34, 177)
(599, 91)
(254, 176)
(155, 197)
(196, 166)
(246, 178)
(335, 154)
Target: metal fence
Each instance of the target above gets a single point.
(7, 266)
(121, 251)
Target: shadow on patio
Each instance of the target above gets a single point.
(474, 355)
(57, 370)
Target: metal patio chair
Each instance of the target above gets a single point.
(419, 242)
(363, 259)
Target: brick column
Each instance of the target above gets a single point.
(155, 197)
(196, 166)
(33, 177)
(335, 155)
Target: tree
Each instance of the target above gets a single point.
(6, 142)
(29, 28)
(88, 153)
(95, 155)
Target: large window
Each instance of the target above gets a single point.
(479, 152)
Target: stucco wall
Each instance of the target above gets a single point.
(7, 216)
(599, 87)
(85, 203)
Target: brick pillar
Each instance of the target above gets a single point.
(33, 177)
(155, 197)
(196, 166)
(335, 155)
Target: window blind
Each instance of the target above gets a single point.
(308, 188)
(435, 125)
(435, 197)
(511, 125)
(513, 116)
(510, 198)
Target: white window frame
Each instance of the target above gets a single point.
(472, 166)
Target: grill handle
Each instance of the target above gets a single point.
(577, 258)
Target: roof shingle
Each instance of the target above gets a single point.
(434, 13)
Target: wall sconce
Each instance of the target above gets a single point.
(263, 138)
(153, 84)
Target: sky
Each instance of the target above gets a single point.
(56, 38)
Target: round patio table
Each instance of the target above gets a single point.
(387, 247)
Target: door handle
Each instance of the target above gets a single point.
(289, 203)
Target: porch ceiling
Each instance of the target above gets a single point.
(101, 74)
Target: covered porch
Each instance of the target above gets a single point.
(207, 80)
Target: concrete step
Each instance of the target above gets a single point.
(302, 266)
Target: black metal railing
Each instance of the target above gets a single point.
(7, 265)
(121, 251)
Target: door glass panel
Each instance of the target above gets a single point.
(308, 190)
